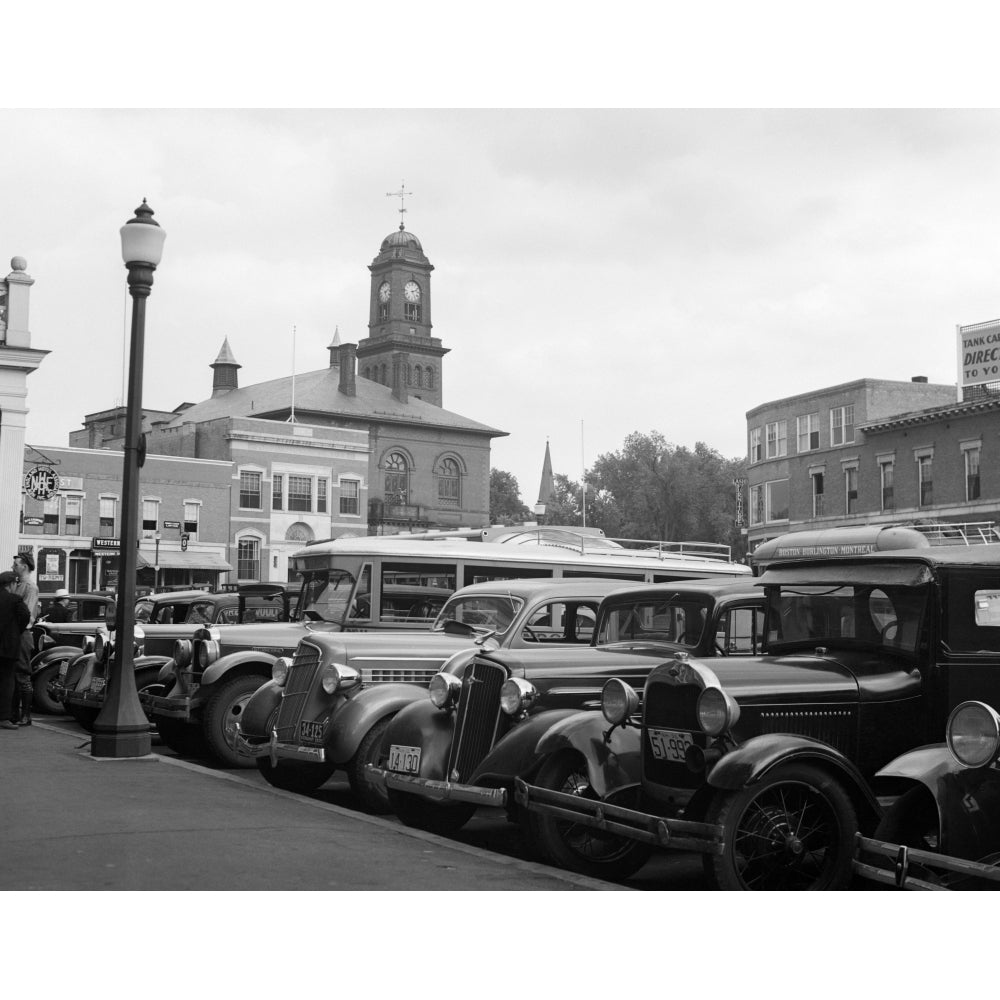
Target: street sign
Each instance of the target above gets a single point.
(41, 483)
(171, 524)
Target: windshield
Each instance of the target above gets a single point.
(889, 617)
(326, 595)
(487, 612)
(677, 618)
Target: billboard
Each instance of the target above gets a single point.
(979, 353)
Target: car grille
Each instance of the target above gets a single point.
(674, 707)
(300, 681)
(479, 719)
(398, 675)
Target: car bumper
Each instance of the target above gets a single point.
(435, 791)
(276, 751)
(657, 831)
(902, 867)
(171, 708)
(90, 699)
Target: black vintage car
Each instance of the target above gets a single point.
(503, 715)
(943, 829)
(762, 763)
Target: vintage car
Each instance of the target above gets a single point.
(83, 695)
(210, 678)
(166, 619)
(942, 830)
(503, 715)
(330, 706)
(762, 763)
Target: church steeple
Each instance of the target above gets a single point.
(225, 366)
(546, 487)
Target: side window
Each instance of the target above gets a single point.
(561, 622)
(229, 616)
(740, 631)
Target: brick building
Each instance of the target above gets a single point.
(873, 451)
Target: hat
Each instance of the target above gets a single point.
(29, 560)
(61, 592)
(6, 577)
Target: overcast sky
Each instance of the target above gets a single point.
(596, 272)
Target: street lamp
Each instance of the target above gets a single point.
(121, 728)
(156, 563)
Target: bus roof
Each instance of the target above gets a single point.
(567, 546)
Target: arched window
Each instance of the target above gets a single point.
(418, 377)
(397, 479)
(449, 482)
(430, 377)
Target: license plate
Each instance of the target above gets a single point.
(668, 744)
(97, 685)
(405, 760)
(64, 669)
(311, 731)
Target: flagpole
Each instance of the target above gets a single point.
(583, 477)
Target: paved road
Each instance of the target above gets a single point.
(487, 830)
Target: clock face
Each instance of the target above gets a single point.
(383, 292)
(411, 291)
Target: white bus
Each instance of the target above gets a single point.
(401, 581)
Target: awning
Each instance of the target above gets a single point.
(172, 559)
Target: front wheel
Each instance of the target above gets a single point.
(292, 777)
(182, 737)
(423, 815)
(41, 700)
(371, 750)
(576, 847)
(794, 829)
(222, 713)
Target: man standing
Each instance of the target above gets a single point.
(14, 620)
(24, 567)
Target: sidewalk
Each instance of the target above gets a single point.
(70, 821)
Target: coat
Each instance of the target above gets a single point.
(14, 618)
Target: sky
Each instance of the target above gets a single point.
(596, 272)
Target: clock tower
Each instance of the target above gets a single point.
(399, 350)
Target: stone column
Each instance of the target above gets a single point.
(17, 361)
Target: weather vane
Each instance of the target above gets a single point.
(400, 194)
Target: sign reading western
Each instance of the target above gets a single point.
(979, 353)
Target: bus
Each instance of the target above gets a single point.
(402, 581)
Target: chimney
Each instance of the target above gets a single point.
(225, 366)
(348, 364)
(400, 368)
(919, 378)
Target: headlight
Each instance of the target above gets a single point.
(974, 734)
(103, 646)
(279, 672)
(444, 690)
(138, 633)
(207, 653)
(517, 696)
(338, 677)
(182, 652)
(717, 711)
(618, 701)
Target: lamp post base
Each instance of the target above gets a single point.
(121, 743)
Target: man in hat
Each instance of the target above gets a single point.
(24, 567)
(14, 620)
(59, 611)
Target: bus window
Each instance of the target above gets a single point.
(327, 595)
(484, 574)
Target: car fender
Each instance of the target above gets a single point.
(353, 719)
(514, 754)
(168, 673)
(80, 672)
(251, 660)
(613, 764)
(255, 719)
(967, 799)
(753, 760)
(422, 724)
(54, 654)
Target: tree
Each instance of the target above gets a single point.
(505, 499)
